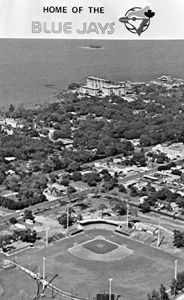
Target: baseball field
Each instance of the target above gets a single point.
(85, 263)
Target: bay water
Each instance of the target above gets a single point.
(33, 71)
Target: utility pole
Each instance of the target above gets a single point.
(46, 237)
(44, 272)
(29, 263)
(158, 241)
(67, 226)
(38, 286)
(176, 269)
(38, 295)
(110, 287)
(48, 284)
(127, 215)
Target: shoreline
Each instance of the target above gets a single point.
(29, 65)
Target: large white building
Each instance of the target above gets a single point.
(168, 81)
(102, 87)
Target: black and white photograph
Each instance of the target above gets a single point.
(91, 150)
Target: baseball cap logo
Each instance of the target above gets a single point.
(137, 19)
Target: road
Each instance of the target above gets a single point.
(44, 206)
(40, 206)
(56, 203)
(138, 175)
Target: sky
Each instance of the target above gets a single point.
(26, 19)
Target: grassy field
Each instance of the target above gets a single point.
(16, 285)
(133, 277)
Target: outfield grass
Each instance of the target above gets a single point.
(133, 277)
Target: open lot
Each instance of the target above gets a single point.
(133, 277)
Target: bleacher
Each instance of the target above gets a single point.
(56, 237)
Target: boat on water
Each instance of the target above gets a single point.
(95, 46)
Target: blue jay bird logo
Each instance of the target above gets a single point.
(137, 19)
